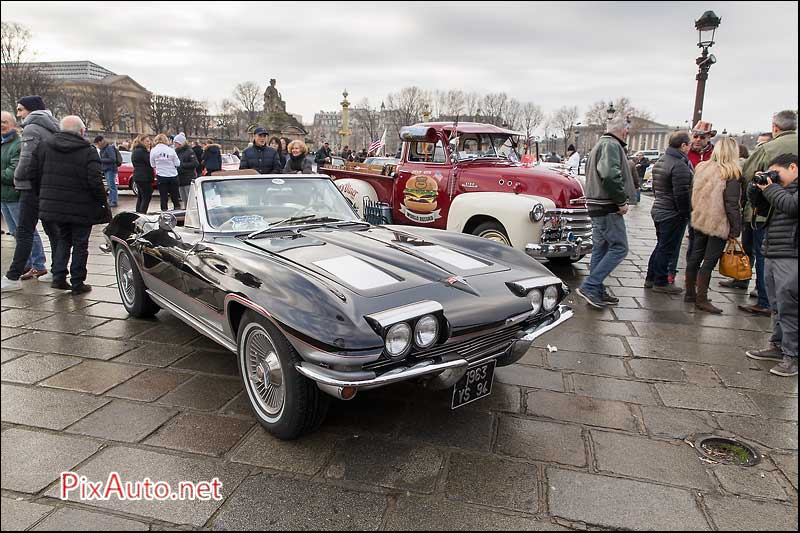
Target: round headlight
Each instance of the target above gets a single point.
(536, 300)
(537, 213)
(426, 331)
(550, 298)
(398, 339)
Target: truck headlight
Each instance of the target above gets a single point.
(398, 340)
(550, 298)
(426, 331)
(536, 300)
(537, 213)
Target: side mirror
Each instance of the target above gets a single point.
(167, 222)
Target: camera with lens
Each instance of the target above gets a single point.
(761, 178)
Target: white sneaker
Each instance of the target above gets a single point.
(10, 285)
(46, 278)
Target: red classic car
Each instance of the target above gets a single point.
(468, 178)
(124, 173)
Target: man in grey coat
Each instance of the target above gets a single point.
(38, 125)
(778, 197)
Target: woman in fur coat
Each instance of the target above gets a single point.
(716, 217)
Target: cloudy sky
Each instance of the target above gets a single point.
(552, 53)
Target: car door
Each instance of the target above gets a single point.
(164, 248)
(420, 193)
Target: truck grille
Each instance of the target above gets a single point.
(566, 225)
(471, 349)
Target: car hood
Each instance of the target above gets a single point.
(535, 180)
(376, 261)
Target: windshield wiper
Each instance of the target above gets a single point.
(312, 218)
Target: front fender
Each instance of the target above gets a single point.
(511, 210)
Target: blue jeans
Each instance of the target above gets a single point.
(669, 233)
(11, 214)
(609, 248)
(672, 268)
(31, 251)
(761, 285)
(111, 183)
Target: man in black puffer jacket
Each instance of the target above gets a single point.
(672, 187)
(778, 198)
(261, 157)
(71, 198)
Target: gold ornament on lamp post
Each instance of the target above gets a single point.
(345, 132)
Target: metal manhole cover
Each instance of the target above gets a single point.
(726, 450)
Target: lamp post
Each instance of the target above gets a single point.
(610, 113)
(706, 27)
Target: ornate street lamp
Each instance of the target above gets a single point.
(706, 27)
(610, 113)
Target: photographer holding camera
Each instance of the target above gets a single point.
(774, 192)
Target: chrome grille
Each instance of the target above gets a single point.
(559, 224)
(470, 349)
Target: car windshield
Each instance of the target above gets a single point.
(485, 145)
(126, 157)
(249, 205)
(229, 158)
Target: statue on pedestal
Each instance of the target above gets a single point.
(273, 103)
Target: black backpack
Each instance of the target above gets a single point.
(119, 156)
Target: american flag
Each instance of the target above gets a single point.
(377, 144)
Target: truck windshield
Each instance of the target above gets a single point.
(485, 146)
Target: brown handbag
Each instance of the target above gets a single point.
(734, 263)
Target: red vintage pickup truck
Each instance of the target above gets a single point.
(467, 177)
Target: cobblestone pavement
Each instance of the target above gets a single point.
(591, 435)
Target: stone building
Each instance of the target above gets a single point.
(81, 77)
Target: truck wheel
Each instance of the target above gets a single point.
(286, 403)
(131, 287)
(493, 231)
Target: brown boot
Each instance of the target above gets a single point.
(689, 283)
(701, 301)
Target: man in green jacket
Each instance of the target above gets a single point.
(784, 141)
(609, 188)
(9, 202)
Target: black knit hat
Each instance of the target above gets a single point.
(32, 103)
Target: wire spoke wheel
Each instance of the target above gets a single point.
(126, 281)
(264, 372)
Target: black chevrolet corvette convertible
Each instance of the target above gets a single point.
(317, 303)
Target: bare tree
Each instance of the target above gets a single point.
(455, 103)
(21, 78)
(532, 117)
(248, 96)
(407, 104)
(161, 109)
(75, 101)
(512, 116)
(494, 107)
(106, 103)
(597, 116)
(472, 105)
(564, 121)
(367, 120)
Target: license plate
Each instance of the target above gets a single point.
(474, 385)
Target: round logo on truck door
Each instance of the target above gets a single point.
(420, 199)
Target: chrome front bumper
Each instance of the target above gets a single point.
(573, 250)
(454, 366)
